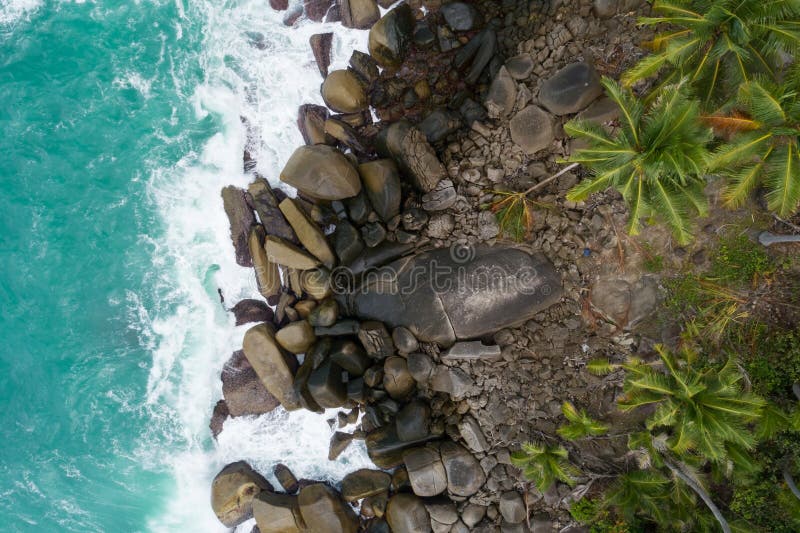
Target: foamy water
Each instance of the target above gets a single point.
(12, 11)
(193, 336)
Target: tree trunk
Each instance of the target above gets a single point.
(703, 494)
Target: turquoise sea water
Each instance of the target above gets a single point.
(119, 123)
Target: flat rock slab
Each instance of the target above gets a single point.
(532, 129)
(471, 350)
(571, 89)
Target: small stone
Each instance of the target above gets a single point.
(472, 434)
(532, 129)
(520, 67)
(442, 197)
(296, 337)
(316, 283)
(461, 16)
(373, 234)
(404, 340)
(376, 339)
(441, 225)
(342, 327)
(453, 381)
(421, 367)
(324, 314)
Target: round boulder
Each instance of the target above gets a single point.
(343, 92)
(407, 514)
(464, 473)
(323, 509)
(233, 490)
(532, 129)
(389, 37)
(570, 89)
(323, 172)
(425, 470)
(397, 380)
(363, 483)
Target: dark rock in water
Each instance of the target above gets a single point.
(464, 473)
(373, 234)
(410, 149)
(293, 15)
(421, 367)
(311, 123)
(376, 340)
(453, 381)
(351, 357)
(381, 181)
(322, 172)
(218, 417)
(385, 448)
(490, 288)
(404, 340)
(242, 389)
(279, 5)
(233, 490)
(413, 420)
(321, 47)
(334, 14)
(461, 16)
(286, 478)
(364, 66)
(343, 92)
(476, 55)
(347, 242)
(345, 134)
(265, 203)
(360, 14)
(249, 310)
(241, 219)
(316, 9)
(390, 36)
(439, 124)
(358, 208)
(356, 391)
(520, 67)
(274, 367)
(277, 513)
(313, 359)
(407, 514)
(339, 443)
(324, 510)
(397, 380)
(425, 470)
(502, 94)
(364, 483)
(268, 278)
(571, 89)
(327, 386)
(532, 129)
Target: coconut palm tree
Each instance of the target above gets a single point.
(765, 149)
(656, 158)
(544, 465)
(719, 44)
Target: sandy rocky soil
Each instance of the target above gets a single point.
(508, 390)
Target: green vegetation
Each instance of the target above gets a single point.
(580, 424)
(544, 464)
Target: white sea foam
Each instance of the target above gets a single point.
(12, 11)
(188, 332)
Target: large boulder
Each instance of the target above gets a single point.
(218, 417)
(413, 421)
(532, 129)
(464, 473)
(321, 48)
(407, 514)
(323, 509)
(296, 337)
(344, 92)
(410, 149)
(233, 490)
(265, 203)
(242, 389)
(284, 253)
(277, 513)
(488, 289)
(308, 233)
(385, 448)
(397, 380)
(390, 36)
(360, 14)
(327, 386)
(570, 89)
(351, 357)
(311, 123)
(322, 172)
(274, 367)
(241, 219)
(382, 184)
(250, 310)
(364, 483)
(268, 277)
(425, 470)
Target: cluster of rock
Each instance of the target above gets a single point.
(437, 414)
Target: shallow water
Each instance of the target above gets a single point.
(119, 124)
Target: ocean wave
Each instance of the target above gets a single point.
(13, 11)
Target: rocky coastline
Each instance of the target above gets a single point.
(444, 385)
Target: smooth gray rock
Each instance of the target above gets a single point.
(241, 219)
(439, 124)
(443, 197)
(512, 507)
(327, 386)
(464, 473)
(410, 149)
(413, 420)
(382, 184)
(242, 389)
(404, 340)
(425, 470)
(347, 242)
(570, 89)
(233, 490)
(461, 16)
(502, 94)
(532, 129)
(442, 509)
(520, 67)
(406, 513)
(321, 171)
(453, 381)
(421, 367)
(363, 483)
(472, 434)
(323, 509)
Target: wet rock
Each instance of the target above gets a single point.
(532, 129)
(339, 443)
(425, 470)
(439, 124)
(286, 478)
(279, 5)
(265, 202)
(293, 15)
(464, 473)
(365, 66)
(421, 367)
(376, 339)
(296, 337)
(284, 253)
(512, 507)
(442, 197)
(316, 9)
(308, 233)
(233, 490)
(385, 448)
(404, 340)
(347, 242)
(406, 513)
(345, 134)
(277, 513)
(242, 389)
(381, 181)
(343, 92)
(461, 16)
(327, 386)
(358, 208)
(412, 421)
(325, 314)
(453, 381)
(571, 89)
(410, 149)
(390, 36)
(322, 172)
(321, 48)
(472, 434)
(274, 367)
(351, 357)
(502, 94)
(364, 483)
(520, 67)
(373, 234)
(316, 283)
(249, 310)
(218, 417)
(313, 359)
(311, 123)
(397, 379)
(360, 14)
(471, 351)
(241, 219)
(323, 509)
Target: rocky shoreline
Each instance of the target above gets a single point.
(444, 385)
